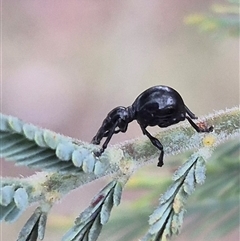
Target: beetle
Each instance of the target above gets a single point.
(157, 106)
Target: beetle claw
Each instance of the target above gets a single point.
(210, 129)
(160, 160)
(99, 153)
(160, 163)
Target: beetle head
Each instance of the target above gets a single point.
(120, 117)
(117, 120)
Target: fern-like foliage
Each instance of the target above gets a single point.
(89, 224)
(213, 208)
(67, 164)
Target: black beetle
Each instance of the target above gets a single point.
(157, 106)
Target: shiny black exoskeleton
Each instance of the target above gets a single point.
(157, 106)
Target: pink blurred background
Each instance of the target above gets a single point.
(66, 64)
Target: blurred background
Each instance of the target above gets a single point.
(66, 64)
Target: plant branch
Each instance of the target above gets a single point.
(68, 163)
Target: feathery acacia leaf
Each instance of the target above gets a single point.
(35, 227)
(89, 224)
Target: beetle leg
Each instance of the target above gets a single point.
(100, 134)
(190, 113)
(197, 128)
(115, 131)
(109, 136)
(107, 133)
(95, 140)
(156, 143)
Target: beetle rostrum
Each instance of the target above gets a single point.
(157, 106)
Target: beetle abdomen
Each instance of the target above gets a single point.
(159, 105)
